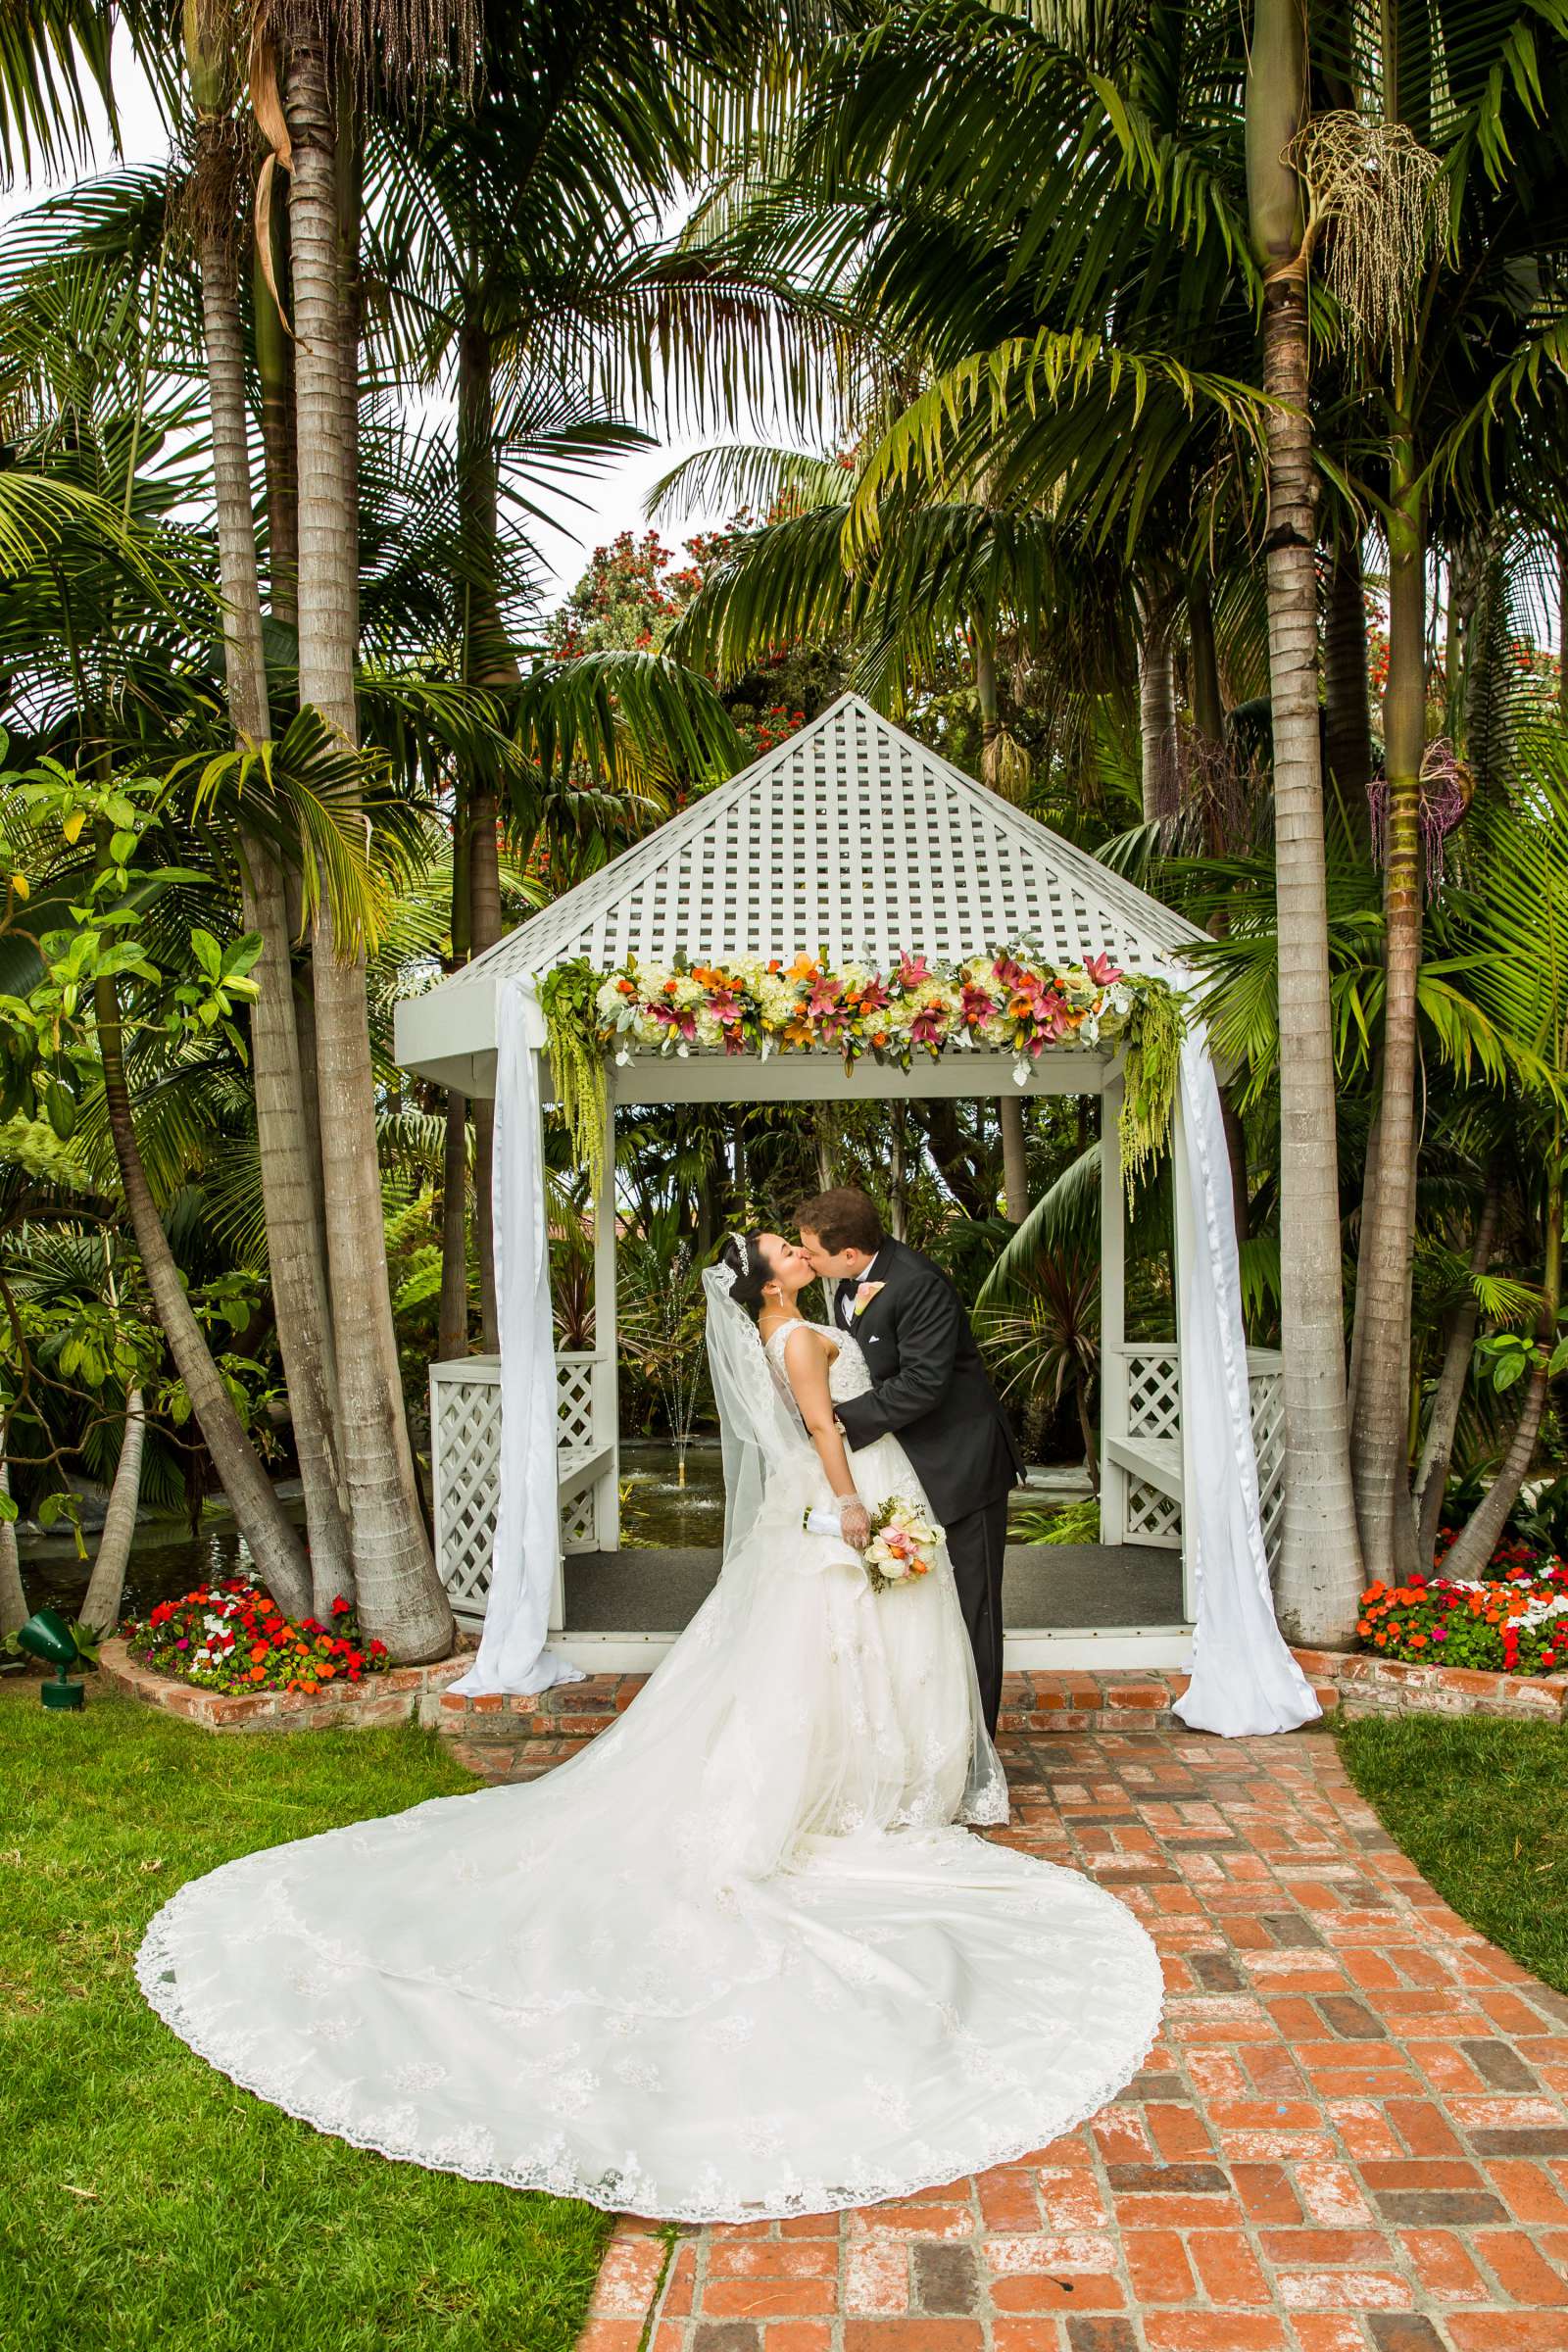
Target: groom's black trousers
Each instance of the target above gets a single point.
(977, 1546)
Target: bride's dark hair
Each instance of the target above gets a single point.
(743, 1255)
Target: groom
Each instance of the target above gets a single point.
(932, 1391)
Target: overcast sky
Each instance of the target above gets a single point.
(606, 503)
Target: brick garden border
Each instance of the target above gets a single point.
(403, 1694)
(518, 1737)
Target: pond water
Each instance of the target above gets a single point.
(661, 1510)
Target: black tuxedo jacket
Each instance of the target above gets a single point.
(932, 1390)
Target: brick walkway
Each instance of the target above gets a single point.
(1352, 2138)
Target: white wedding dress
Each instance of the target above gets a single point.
(735, 1959)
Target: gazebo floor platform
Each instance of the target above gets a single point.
(1048, 1587)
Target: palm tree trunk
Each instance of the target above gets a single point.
(899, 1171)
(106, 1587)
(295, 1254)
(453, 1321)
(1157, 718)
(400, 1596)
(1379, 1430)
(1208, 701)
(452, 1325)
(1476, 1541)
(1347, 707)
(1319, 1579)
(273, 1544)
(1010, 1107)
(13, 1599)
(488, 660)
(295, 1240)
(1431, 1476)
(274, 365)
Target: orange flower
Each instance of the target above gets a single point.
(258, 1674)
(1382, 1640)
(258, 1651)
(307, 1684)
(1418, 1641)
(1365, 1626)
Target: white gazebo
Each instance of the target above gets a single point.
(854, 839)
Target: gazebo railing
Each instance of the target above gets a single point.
(466, 1457)
(1140, 1487)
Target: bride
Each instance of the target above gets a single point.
(736, 1959)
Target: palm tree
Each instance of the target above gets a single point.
(296, 1251)
(401, 1597)
(1319, 1575)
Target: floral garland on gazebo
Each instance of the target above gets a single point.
(1010, 1000)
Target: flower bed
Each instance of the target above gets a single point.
(233, 1638)
(1514, 1620)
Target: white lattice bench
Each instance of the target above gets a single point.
(465, 1455)
(1141, 1485)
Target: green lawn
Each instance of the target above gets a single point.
(144, 2201)
(1482, 1809)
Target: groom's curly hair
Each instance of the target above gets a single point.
(842, 1219)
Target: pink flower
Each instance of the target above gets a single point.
(928, 1027)
(912, 970)
(1101, 971)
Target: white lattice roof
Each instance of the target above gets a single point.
(853, 839)
(850, 839)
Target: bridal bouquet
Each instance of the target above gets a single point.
(903, 1544)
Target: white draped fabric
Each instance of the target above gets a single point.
(513, 1653)
(1244, 1679)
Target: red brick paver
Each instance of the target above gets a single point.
(1351, 2137)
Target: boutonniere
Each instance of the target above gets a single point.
(864, 1293)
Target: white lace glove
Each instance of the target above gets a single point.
(855, 1522)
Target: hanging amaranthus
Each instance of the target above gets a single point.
(577, 1064)
(1155, 1032)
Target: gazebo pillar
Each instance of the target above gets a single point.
(1184, 1244)
(1112, 1311)
(606, 1353)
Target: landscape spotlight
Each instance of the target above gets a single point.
(47, 1635)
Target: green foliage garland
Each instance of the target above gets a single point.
(577, 1061)
(1155, 1032)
